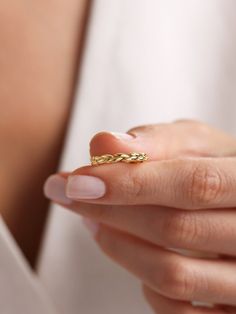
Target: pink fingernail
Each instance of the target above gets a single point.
(92, 226)
(122, 136)
(84, 187)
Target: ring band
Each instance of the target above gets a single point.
(119, 157)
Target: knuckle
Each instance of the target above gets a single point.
(178, 281)
(132, 186)
(180, 228)
(203, 185)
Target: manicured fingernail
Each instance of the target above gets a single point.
(84, 187)
(54, 189)
(92, 226)
(123, 136)
(202, 304)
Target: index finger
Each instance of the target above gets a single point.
(181, 183)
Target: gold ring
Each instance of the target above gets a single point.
(119, 157)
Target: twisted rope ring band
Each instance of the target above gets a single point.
(119, 157)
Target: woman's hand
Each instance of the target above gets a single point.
(183, 198)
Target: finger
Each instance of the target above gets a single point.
(206, 231)
(111, 143)
(170, 274)
(163, 305)
(165, 141)
(148, 138)
(184, 183)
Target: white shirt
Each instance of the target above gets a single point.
(145, 62)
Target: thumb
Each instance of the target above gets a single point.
(166, 141)
(132, 141)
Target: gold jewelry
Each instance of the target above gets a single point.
(119, 157)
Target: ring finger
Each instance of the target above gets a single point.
(170, 274)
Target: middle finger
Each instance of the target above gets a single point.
(207, 231)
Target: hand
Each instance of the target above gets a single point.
(174, 200)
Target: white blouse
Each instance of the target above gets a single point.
(145, 62)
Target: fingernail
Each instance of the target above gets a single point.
(54, 189)
(123, 136)
(84, 187)
(92, 226)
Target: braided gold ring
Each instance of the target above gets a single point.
(119, 157)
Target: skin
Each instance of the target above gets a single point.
(41, 43)
(184, 197)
